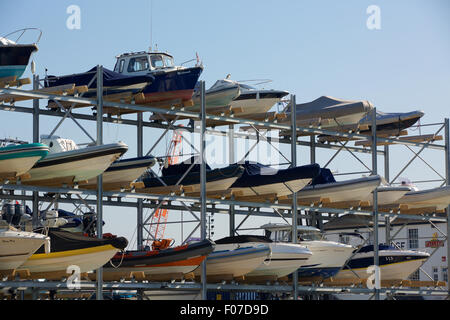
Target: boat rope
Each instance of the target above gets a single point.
(120, 263)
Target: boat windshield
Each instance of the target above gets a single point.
(310, 235)
(138, 64)
(246, 86)
(168, 61)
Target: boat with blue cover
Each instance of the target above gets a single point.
(216, 179)
(171, 83)
(14, 57)
(113, 82)
(260, 179)
(18, 157)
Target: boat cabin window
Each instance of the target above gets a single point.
(309, 235)
(119, 66)
(168, 62)
(280, 235)
(138, 64)
(157, 61)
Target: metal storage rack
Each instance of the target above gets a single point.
(314, 212)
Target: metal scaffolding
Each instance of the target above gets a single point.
(294, 212)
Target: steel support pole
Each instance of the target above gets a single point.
(231, 159)
(376, 260)
(447, 175)
(387, 220)
(312, 150)
(35, 220)
(140, 202)
(203, 183)
(294, 195)
(99, 292)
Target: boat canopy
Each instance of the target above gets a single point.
(325, 176)
(57, 144)
(243, 239)
(181, 168)
(110, 79)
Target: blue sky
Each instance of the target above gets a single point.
(309, 48)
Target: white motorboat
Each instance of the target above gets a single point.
(235, 259)
(68, 164)
(121, 173)
(220, 95)
(395, 264)
(253, 101)
(330, 113)
(18, 157)
(327, 258)
(17, 246)
(284, 258)
(388, 194)
(436, 197)
(325, 186)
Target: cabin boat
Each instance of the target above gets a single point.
(234, 259)
(17, 158)
(259, 179)
(159, 262)
(121, 173)
(328, 257)
(173, 84)
(330, 113)
(17, 246)
(67, 164)
(325, 186)
(113, 83)
(284, 258)
(14, 57)
(68, 249)
(395, 264)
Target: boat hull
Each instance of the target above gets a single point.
(87, 259)
(437, 197)
(327, 259)
(349, 190)
(230, 260)
(215, 99)
(172, 85)
(285, 258)
(387, 195)
(19, 159)
(16, 247)
(394, 265)
(281, 189)
(121, 173)
(74, 166)
(247, 107)
(14, 59)
(182, 259)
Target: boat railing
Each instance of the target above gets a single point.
(8, 141)
(23, 32)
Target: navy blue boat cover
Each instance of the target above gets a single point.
(180, 168)
(110, 79)
(325, 176)
(256, 174)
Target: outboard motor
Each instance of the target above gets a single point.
(12, 213)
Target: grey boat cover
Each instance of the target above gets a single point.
(392, 117)
(327, 107)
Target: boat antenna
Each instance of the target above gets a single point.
(151, 24)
